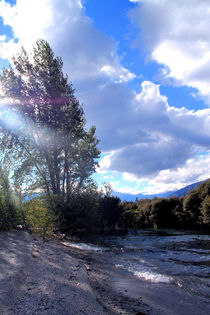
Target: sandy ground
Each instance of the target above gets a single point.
(50, 278)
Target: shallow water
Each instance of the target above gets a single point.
(174, 258)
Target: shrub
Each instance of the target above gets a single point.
(39, 217)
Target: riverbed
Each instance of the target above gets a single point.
(143, 273)
(168, 270)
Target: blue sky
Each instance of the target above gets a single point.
(141, 68)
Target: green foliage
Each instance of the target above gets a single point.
(10, 204)
(196, 205)
(43, 133)
(79, 214)
(205, 210)
(130, 214)
(159, 213)
(107, 189)
(191, 208)
(190, 212)
(144, 212)
(39, 217)
(162, 212)
(110, 211)
(88, 211)
(45, 139)
(180, 218)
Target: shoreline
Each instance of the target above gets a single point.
(52, 278)
(120, 292)
(102, 276)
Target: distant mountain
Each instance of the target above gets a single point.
(179, 193)
(130, 197)
(185, 190)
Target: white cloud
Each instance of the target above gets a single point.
(8, 48)
(176, 33)
(125, 189)
(150, 100)
(104, 164)
(120, 74)
(86, 52)
(3, 37)
(129, 177)
(195, 169)
(28, 20)
(158, 137)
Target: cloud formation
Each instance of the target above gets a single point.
(176, 34)
(159, 137)
(87, 53)
(195, 169)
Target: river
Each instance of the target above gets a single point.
(178, 261)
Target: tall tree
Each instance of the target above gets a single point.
(43, 127)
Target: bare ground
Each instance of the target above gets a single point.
(38, 278)
(49, 278)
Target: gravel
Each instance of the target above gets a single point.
(42, 278)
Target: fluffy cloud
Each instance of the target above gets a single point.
(195, 169)
(87, 53)
(176, 34)
(159, 137)
(22, 18)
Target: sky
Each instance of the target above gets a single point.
(142, 70)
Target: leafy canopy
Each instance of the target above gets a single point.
(43, 125)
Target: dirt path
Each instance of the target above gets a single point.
(37, 278)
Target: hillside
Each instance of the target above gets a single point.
(184, 190)
(179, 193)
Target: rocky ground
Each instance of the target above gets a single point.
(50, 278)
(38, 278)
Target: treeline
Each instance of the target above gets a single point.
(93, 211)
(188, 212)
(86, 212)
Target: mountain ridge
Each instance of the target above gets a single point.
(178, 193)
